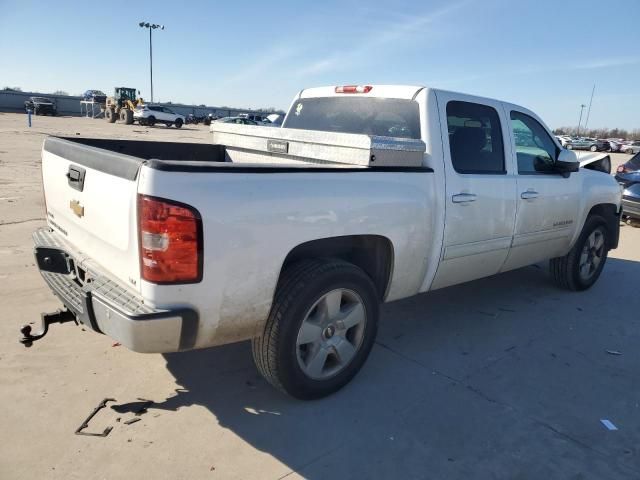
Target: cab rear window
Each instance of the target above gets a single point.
(386, 117)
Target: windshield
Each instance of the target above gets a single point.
(387, 117)
(41, 100)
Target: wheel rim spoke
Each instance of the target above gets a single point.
(584, 269)
(345, 351)
(316, 363)
(330, 305)
(309, 332)
(584, 258)
(598, 242)
(353, 316)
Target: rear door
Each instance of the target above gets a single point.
(548, 203)
(480, 188)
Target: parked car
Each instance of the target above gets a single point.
(276, 119)
(258, 119)
(631, 148)
(210, 118)
(614, 145)
(170, 246)
(628, 175)
(96, 96)
(564, 140)
(152, 114)
(588, 144)
(41, 106)
(194, 119)
(238, 120)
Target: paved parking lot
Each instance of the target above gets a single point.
(506, 377)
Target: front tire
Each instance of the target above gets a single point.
(178, 123)
(594, 148)
(128, 116)
(582, 266)
(320, 330)
(151, 121)
(110, 115)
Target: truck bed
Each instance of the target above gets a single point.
(123, 158)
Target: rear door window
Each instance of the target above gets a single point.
(475, 138)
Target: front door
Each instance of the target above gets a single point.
(548, 203)
(480, 189)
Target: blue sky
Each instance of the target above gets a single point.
(543, 54)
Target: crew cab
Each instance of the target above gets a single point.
(152, 114)
(292, 237)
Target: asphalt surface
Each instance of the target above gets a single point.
(505, 377)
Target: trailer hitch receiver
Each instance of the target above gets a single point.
(46, 319)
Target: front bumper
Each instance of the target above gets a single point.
(104, 305)
(631, 207)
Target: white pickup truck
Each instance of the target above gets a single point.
(292, 237)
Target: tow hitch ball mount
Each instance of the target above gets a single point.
(46, 319)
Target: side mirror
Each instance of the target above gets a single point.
(567, 162)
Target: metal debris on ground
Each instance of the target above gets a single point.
(613, 352)
(132, 420)
(609, 424)
(85, 424)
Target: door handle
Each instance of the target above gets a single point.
(529, 195)
(463, 198)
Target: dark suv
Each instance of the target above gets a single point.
(628, 176)
(40, 106)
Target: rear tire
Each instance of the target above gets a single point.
(593, 148)
(581, 267)
(320, 330)
(569, 147)
(110, 115)
(178, 123)
(128, 117)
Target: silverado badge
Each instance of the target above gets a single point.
(77, 208)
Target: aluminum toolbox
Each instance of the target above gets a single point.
(261, 144)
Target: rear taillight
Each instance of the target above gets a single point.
(170, 237)
(354, 89)
(623, 169)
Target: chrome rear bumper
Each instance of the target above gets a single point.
(104, 305)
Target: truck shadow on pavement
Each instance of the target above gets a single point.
(480, 380)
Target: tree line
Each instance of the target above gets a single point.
(633, 134)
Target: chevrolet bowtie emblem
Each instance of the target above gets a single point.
(77, 208)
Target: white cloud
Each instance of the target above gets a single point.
(365, 48)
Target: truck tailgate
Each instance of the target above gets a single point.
(91, 197)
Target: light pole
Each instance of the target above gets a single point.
(151, 27)
(580, 121)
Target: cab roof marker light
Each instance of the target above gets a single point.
(353, 89)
